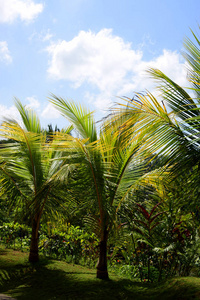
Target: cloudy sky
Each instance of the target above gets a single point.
(91, 51)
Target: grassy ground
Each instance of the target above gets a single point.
(52, 279)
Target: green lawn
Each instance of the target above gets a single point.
(52, 279)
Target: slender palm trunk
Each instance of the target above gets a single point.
(33, 255)
(102, 271)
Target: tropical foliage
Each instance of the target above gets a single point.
(109, 169)
(125, 190)
(30, 171)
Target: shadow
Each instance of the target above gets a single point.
(49, 279)
(3, 252)
(43, 283)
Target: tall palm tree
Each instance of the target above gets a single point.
(30, 170)
(170, 127)
(109, 169)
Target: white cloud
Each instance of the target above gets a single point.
(43, 36)
(33, 102)
(50, 112)
(101, 59)
(47, 36)
(26, 10)
(169, 62)
(10, 113)
(5, 53)
(109, 64)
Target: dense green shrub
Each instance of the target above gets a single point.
(15, 235)
(70, 243)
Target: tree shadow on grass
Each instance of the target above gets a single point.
(28, 282)
(3, 252)
(47, 281)
(56, 284)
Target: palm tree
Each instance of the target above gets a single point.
(170, 127)
(109, 169)
(30, 170)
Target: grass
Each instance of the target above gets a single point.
(51, 279)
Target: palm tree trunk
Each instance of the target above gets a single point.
(102, 271)
(33, 255)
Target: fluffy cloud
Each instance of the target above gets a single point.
(50, 112)
(101, 59)
(47, 113)
(109, 64)
(33, 102)
(5, 53)
(10, 113)
(26, 10)
(170, 63)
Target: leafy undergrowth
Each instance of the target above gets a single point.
(52, 279)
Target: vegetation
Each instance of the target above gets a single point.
(109, 169)
(50, 279)
(30, 171)
(125, 193)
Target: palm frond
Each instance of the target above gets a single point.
(29, 117)
(81, 118)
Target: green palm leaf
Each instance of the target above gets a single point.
(31, 169)
(81, 119)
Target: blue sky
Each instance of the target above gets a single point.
(91, 51)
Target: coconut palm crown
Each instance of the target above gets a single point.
(30, 170)
(109, 166)
(169, 126)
